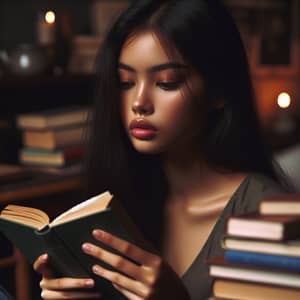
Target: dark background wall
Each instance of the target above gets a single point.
(18, 25)
(18, 18)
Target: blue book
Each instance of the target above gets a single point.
(263, 260)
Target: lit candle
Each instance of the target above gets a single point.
(284, 122)
(284, 100)
(46, 28)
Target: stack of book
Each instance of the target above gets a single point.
(53, 140)
(262, 253)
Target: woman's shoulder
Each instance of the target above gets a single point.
(255, 188)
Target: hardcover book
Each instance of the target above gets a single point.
(219, 268)
(263, 260)
(230, 289)
(31, 231)
(288, 248)
(56, 158)
(281, 205)
(13, 173)
(53, 118)
(275, 228)
(54, 139)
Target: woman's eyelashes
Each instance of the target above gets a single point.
(164, 85)
(126, 85)
(170, 85)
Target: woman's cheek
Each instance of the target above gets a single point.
(174, 111)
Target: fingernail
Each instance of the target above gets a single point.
(44, 257)
(96, 269)
(98, 233)
(86, 247)
(89, 283)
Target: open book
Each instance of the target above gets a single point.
(31, 231)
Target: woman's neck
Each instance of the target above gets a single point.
(192, 178)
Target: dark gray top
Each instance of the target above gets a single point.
(245, 200)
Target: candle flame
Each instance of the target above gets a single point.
(50, 17)
(284, 100)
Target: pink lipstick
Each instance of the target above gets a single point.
(142, 129)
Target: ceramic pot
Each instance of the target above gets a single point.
(27, 60)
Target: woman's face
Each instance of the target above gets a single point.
(160, 95)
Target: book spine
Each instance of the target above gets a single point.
(263, 260)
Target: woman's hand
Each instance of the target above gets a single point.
(61, 288)
(151, 279)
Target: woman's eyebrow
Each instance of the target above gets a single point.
(161, 67)
(126, 67)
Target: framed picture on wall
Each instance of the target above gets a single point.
(271, 38)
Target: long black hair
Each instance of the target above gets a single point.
(205, 35)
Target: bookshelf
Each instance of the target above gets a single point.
(22, 94)
(50, 193)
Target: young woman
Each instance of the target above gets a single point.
(176, 139)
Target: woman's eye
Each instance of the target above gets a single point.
(126, 85)
(169, 86)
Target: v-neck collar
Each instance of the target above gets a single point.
(226, 211)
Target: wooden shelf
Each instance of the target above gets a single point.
(45, 81)
(27, 94)
(37, 188)
(7, 261)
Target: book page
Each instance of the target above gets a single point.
(25, 212)
(23, 220)
(25, 215)
(90, 206)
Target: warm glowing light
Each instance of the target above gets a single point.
(284, 100)
(50, 17)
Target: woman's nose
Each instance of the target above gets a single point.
(142, 108)
(142, 105)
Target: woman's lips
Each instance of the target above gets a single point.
(142, 129)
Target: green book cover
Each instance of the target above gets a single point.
(63, 237)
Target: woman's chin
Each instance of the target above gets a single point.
(146, 147)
